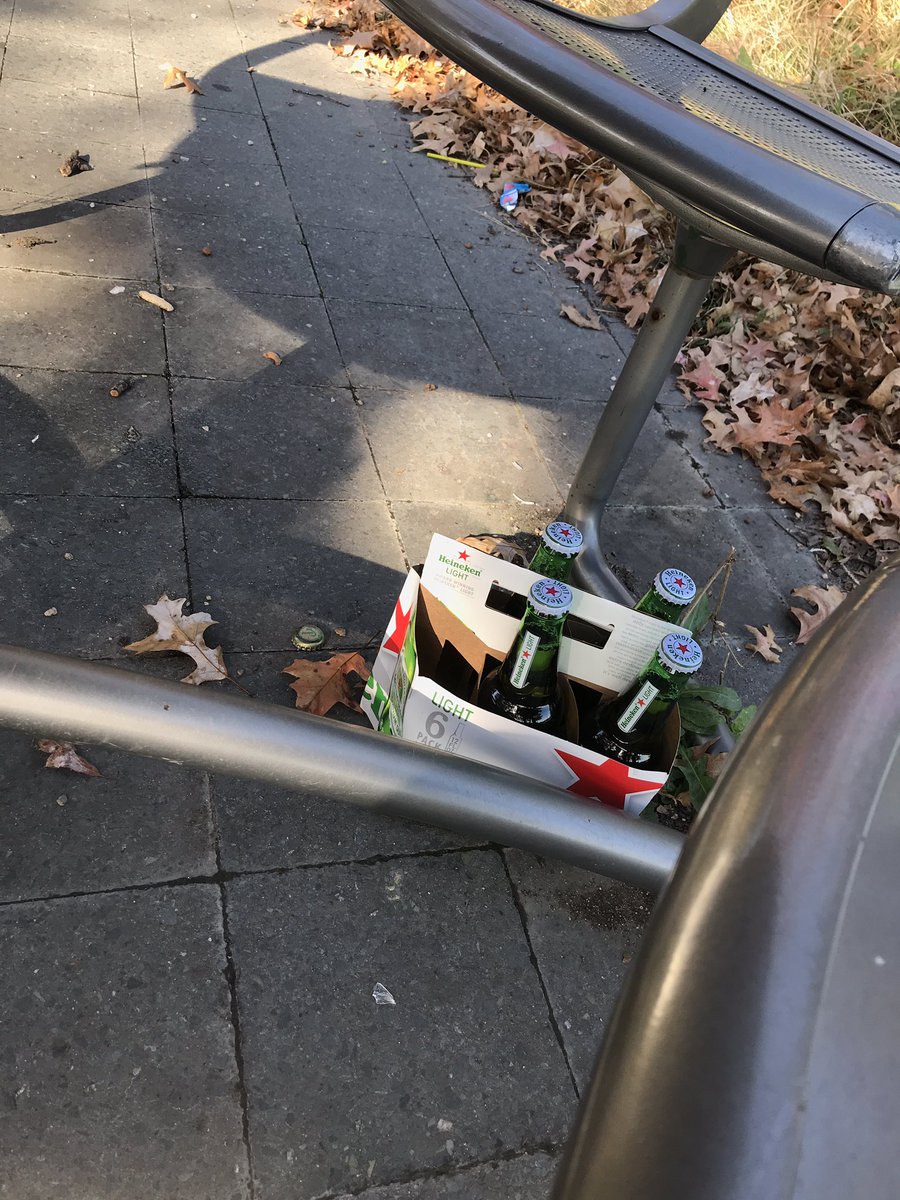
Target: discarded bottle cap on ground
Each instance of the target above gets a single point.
(308, 637)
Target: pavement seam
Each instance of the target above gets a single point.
(550, 1149)
(231, 978)
(523, 917)
(360, 423)
(167, 373)
(223, 876)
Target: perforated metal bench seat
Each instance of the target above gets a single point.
(733, 157)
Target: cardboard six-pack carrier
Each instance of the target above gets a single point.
(457, 620)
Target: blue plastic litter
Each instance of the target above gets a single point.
(509, 197)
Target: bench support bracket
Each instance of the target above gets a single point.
(695, 261)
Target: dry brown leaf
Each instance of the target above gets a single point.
(157, 301)
(887, 393)
(175, 77)
(273, 357)
(824, 600)
(74, 165)
(588, 321)
(207, 251)
(764, 643)
(496, 547)
(177, 630)
(64, 757)
(319, 686)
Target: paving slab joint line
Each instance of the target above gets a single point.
(550, 1149)
(523, 917)
(681, 441)
(222, 876)
(231, 979)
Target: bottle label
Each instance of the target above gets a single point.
(636, 708)
(519, 676)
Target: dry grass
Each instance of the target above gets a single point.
(844, 56)
(841, 54)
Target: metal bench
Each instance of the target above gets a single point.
(743, 165)
(753, 1052)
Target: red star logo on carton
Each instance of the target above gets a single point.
(401, 623)
(610, 782)
(464, 555)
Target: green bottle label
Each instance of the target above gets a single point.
(522, 665)
(636, 709)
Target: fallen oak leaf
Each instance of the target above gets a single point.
(175, 77)
(183, 632)
(825, 600)
(157, 301)
(764, 643)
(273, 357)
(571, 313)
(64, 757)
(319, 686)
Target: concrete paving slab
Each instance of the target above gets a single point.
(125, 553)
(334, 105)
(103, 23)
(527, 1178)
(141, 822)
(345, 1092)
(584, 931)
(74, 237)
(287, 55)
(551, 357)
(450, 205)
(231, 139)
(64, 110)
(261, 827)
(59, 59)
(417, 521)
(124, 333)
(381, 267)
(316, 451)
(658, 468)
(389, 344)
(119, 1068)
(65, 435)
(258, 254)
(735, 479)
(222, 336)
(117, 176)
(221, 74)
(368, 194)
(273, 565)
(195, 186)
(467, 447)
(500, 270)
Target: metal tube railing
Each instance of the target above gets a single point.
(53, 696)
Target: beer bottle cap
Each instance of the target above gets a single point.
(563, 538)
(550, 598)
(675, 586)
(680, 654)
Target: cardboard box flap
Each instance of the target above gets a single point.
(614, 645)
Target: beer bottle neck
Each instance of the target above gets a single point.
(648, 701)
(551, 563)
(531, 665)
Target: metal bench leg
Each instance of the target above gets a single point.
(695, 262)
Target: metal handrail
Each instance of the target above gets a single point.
(53, 696)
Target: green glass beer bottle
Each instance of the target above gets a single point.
(560, 544)
(669, 595)
(630, 727)
(525, 687)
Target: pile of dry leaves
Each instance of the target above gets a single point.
(801, 376)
